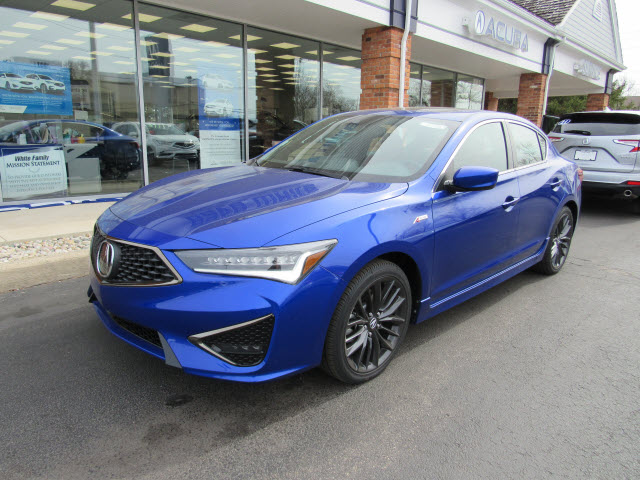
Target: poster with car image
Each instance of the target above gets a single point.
(36, 89)
(219, 106)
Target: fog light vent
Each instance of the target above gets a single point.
(244, 345)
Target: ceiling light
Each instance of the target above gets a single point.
(143, 17)
(70, 41)
(90, 34)
(286, 65)
(195, 27)
(264, 68)
(7, 33)
(417, 72)
(286, 57)
(167, 86)
(315, 52)
(271, 80)
(167, 36)
(113, 26)
(126, 73)
(215, 44)
(186, 49)
(261, 60)
(250, 38)
(101, 54)
(288, 72)
(146, 43)
(225, 55)
(119, 48)
(53, 47)
(267, 75)
(80, 57)
(276, 88)
(29, 26)
(158, 76)
(285, 45)
(349, 58)
(160, 66)
(257, 51)
(73, 4)
(123, 62)
(147, 59)
(162, 54)
(38, 52)
(49, 16)
(190, 70)
(7, 42)
(292, 83)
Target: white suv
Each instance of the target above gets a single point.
(606, 146)
(164, 140)
(46, 84)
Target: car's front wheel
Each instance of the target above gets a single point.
(557, 249)
(369, 323)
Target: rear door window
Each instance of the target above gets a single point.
(526, 145)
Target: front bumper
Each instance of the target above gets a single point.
(203, 303)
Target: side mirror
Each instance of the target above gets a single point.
(468, 179)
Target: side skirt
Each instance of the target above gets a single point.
(428, 310)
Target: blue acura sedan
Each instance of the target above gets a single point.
(322, 251)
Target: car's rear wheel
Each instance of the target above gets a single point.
(369, 323)
(557, 249)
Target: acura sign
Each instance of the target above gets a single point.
(499, 31)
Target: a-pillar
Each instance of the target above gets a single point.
(380, 71)
(531, 96)
(490, 102)
(597, 102)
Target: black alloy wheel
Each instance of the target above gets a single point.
(369, 323)
(559, 242)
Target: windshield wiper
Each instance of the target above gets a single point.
(311, 171)
(579, 132)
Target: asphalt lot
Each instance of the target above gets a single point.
(537, 378)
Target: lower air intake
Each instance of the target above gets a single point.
(243, 345)
(145, 333)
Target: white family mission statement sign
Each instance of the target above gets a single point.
(24, 174)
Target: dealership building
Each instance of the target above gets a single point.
(101, 97)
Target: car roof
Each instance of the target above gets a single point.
(445, 113)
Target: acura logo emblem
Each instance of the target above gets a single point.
(107, 259)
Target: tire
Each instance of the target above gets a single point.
(557, 249)
(359, 344)
(7, 86)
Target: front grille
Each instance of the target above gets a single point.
(184, 144)
(138, 265)
(145, 333)
(243, 346)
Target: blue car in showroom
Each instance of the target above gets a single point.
(322, 251)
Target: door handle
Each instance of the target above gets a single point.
(510, 202)
(555, 184)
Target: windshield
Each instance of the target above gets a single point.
(164, 129)
(370, 148)
(12, 75)
(45, 77)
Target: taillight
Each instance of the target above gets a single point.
(580, 175)
(556, 139)
(135, 144)
(630, 142)
(632, 182)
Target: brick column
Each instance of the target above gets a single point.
(490, 102)
(531, 96)
(597, 102)
(380, 74)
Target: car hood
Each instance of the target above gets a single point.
(245, 206)
(175, 138)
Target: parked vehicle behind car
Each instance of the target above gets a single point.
(13, 81)
(165, 141)
(606, 145)
(325, 248)
(46, 84)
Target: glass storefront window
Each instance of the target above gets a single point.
(469, 92)
(283, 75)
(437, 87)
(192, 68)
(66, 76)
(415, 81)
(340, 80)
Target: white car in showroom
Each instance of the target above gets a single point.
(165, 141)
(218, 108)
(13, 81)
(46, 84)
(215, 81)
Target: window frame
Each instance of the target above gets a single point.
(439, 184)
(512, 146)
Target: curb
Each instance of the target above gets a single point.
(46, 237)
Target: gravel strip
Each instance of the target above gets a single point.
(42, 248)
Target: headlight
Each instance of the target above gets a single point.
(288, 263)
